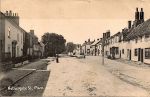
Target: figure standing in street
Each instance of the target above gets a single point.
(57, 60)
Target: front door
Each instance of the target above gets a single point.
(141, 55)
(130, 55)
(120, 53)
(13, 49)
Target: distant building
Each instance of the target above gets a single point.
(86, 47)
(42, 49)
(95, 47)
(77, 50)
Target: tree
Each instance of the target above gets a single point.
(70, 46)
(54, 43)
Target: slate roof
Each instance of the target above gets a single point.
(140, 30)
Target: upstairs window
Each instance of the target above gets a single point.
(9, 32)
(147, 36)
(18, 37)
(136, 40)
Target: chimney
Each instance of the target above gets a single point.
(129, 24)
(108, 34)
(137, 14)
(10, 13)
(6, 13)
(142, 15)
(32, 32)
(88, 40)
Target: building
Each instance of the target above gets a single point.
(11, 36)
(95, 47)
(77, 50)
(139, 43)
(42, 49)
(86, 47)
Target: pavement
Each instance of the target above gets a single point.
(88, 77)
(128, 71)
(17, 74)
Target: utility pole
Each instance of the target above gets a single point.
(103, 50)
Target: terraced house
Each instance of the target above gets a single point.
(133, 43)
(11, 36)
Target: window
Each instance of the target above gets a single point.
(147, 53)
(136, 40)
(1, 44)
(147, 36)
(17, 51)
(8, 47)
(141, 38)
(135, 52)
(17, 37)
(122, 51)
(21, 39)
(8, 32)
(117, 50)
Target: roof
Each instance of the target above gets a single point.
(88, 43)
(96, 42)
(140, 30)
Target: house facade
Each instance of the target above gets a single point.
(95, 47)
(133, 43)
(86, 47)
(77, 50)
(11, 36)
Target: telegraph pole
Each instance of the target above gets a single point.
(103, 50)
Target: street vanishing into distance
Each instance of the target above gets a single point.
(80, 77)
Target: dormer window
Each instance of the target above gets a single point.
(9, 32)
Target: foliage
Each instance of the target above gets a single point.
(54, 44)
(70, 47)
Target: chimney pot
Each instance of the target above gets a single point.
(141, 9)
(6, 13)
(129, 24)
(137, 9)
(10, 13)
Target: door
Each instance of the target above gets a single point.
(141, 55)
(120, 53)
(13, 50)
(130, 55)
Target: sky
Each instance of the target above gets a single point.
(76, 20)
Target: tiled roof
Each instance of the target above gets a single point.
(140, 30)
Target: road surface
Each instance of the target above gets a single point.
(86, 77)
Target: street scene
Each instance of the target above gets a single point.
(75, 48)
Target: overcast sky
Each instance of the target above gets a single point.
(76, 20)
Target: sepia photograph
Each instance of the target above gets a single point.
(62, 48)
